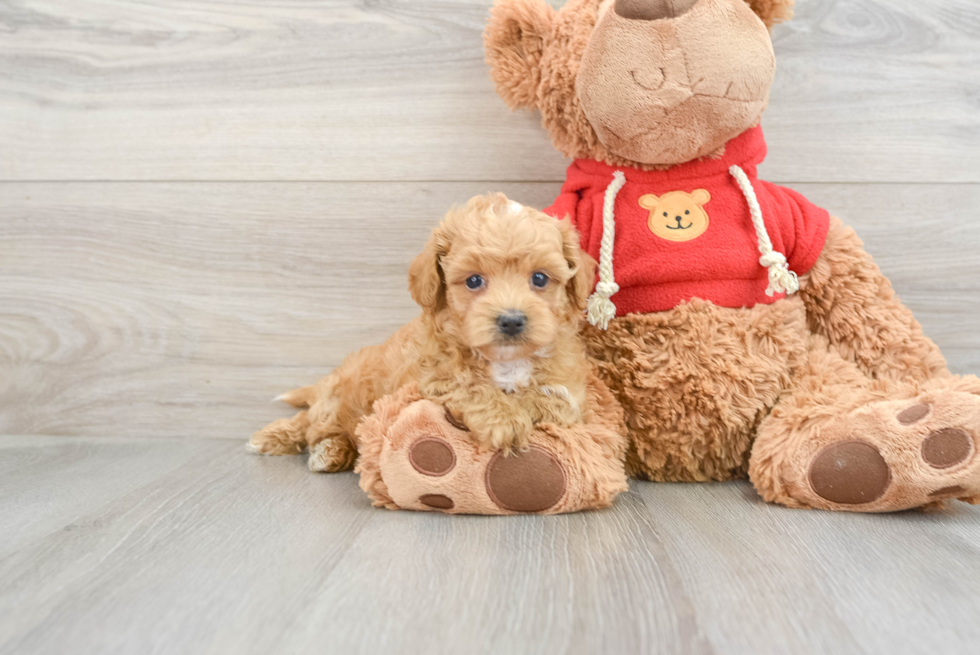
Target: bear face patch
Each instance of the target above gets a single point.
(678, 215)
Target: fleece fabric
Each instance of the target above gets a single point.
(686, 232)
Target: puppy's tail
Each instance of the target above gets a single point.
(302, 397)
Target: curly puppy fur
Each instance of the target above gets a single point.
(500, 385)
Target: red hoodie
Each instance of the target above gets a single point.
(686, 232)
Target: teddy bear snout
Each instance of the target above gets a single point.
(653, 9)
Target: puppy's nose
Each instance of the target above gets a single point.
(511, 323)
(653, 9)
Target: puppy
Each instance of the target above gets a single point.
(502, 289)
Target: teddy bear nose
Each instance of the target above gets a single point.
(652, 9)
(511, 323)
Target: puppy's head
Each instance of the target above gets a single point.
(503, 277)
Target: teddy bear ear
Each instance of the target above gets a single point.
(772, 11)
(513, 43)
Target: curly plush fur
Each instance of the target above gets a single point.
(500, 385)
(785, 393)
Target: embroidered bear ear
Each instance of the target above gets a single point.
(701, 196)
(650, 201)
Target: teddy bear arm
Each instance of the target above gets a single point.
(851, 303)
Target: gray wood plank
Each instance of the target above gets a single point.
(232, 553)
(788, 581)
(867, 90)
(50, 484)
(134, 309)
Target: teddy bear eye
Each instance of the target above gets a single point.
(474, 282)
(665, 213)
(540, 280)
(687, 211)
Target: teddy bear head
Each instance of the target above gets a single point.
(642, 83)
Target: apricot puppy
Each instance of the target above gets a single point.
(502, 289)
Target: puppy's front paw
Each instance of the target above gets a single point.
(557, 405)
(504, 433)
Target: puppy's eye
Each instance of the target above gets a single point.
(474, 282)
(540, 280)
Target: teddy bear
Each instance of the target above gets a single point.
(744, 330)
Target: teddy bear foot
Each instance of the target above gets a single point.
(431, 463)
(897, 455)
(420, 457)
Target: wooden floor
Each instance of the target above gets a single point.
(205, 203)
(116, 545)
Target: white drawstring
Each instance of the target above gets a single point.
(781, 279)
(601, 308)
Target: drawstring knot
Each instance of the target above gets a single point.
(601, 309)
(606, 289)
(781, 279)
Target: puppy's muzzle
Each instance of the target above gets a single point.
(511, 323)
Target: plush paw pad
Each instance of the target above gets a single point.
(948, 447)
(913, 414)
(437, 501)
(530, 481)
(849, 473)
(432, 456)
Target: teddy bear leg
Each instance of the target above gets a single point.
(415, 454)
(838, 440)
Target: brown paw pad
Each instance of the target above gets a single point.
(455, 422)
(849, 473)
(437, 501)
(432, 456)
(531, 481)
(913, 414)
(948, 492)
(947, 447)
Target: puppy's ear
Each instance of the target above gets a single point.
(513, 43)
(772, 11)
(580, 264)
(426, 282)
